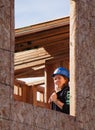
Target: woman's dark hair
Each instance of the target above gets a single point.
(67, 80)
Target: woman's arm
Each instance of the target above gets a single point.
(63, 106)
(53, 98)
(59, 103)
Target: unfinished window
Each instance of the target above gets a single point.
(37, 54)
(39, 50)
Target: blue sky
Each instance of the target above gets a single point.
(30, 12)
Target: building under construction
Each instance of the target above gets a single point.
(34, 52)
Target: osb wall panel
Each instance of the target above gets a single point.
(6, 41)
(40, 118)
(83, 45)
(6, 67)
(6, 59)
(5, 101)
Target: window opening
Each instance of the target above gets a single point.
(37, 54)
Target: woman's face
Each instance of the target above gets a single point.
(59, 81)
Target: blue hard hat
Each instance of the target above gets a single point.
(61, 71)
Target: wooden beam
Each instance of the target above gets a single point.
(29, 41)
(42, 26)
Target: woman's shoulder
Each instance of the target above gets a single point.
(66, 88)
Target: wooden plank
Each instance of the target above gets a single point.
(42, 26)
(29, 56)
(49, 40)
(37, 54)
(30, 64)
(34, 40)
(43, 34)
(30, 71)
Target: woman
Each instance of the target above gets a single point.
(60, 98)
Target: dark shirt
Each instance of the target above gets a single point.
(64, 98)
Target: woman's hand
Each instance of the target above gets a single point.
(53, 97)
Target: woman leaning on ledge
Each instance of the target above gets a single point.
(60, 98)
